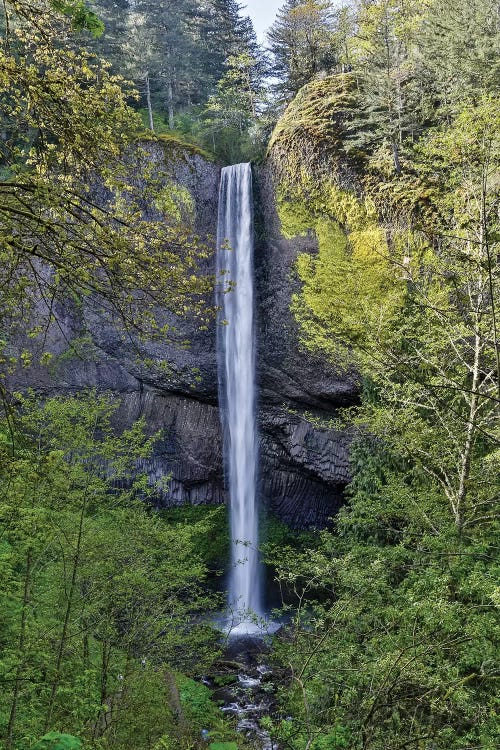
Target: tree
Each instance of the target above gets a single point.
(230, 121)
(434, 353)
(384, 59)
(99, 586)
(302, 43)
(175, 52)
(73, 138)
(397, 646)
(458, 53)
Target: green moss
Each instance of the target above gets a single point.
(296, 218)
(310, 135)
(174, 144)
(349, 287)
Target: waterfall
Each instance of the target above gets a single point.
(236, 351)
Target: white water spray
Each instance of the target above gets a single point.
(236, 350)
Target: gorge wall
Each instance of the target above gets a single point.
(303, 464)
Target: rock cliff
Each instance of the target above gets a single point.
(304, 465)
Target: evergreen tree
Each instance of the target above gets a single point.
(302, 43)
(175, 53)
(384, 61)
(459, 53)
(230, 120)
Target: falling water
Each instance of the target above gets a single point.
(237, 381)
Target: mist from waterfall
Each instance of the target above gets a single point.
(236, 352)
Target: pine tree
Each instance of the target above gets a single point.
(459, 53)
(302, 43)
(175, 52)
(384, 62)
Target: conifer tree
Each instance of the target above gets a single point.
(459, 53)
(385, 68)
(302, 43)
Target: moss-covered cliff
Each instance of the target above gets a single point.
(348, 285)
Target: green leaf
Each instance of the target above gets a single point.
(57, 741)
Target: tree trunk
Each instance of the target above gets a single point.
(175, 705)
(469, 437)
(67, 614)
(485, 244)
(104, 719)
(21, 645)
(170, 94)
(170, 106)
(148, 99)
(395, 154)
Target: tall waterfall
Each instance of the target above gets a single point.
(236, 350)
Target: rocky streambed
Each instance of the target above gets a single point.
(244, 687)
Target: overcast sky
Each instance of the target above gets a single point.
(262, 13)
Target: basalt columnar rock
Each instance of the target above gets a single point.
(303, 454)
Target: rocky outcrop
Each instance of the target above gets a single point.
(303, 458)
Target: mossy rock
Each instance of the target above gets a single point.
(310, 134)
(57, 741)
(223, 746)
(174, 143)
(226, 679)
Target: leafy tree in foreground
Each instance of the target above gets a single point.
(68, 138)
(99, 592)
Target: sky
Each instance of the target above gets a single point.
(262, 13)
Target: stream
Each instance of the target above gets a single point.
(251, 695)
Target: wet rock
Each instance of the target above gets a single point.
(251, 697)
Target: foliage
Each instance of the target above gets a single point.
(81, 16)
(405, 644)
(55, 741)
(100, 592)
(388, 156)
(175, 53)
(230, 123)
(302, 41)
(213, 546)
(395, 627)
(69, 133)
(413, 63)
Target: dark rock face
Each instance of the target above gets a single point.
(304, 467)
